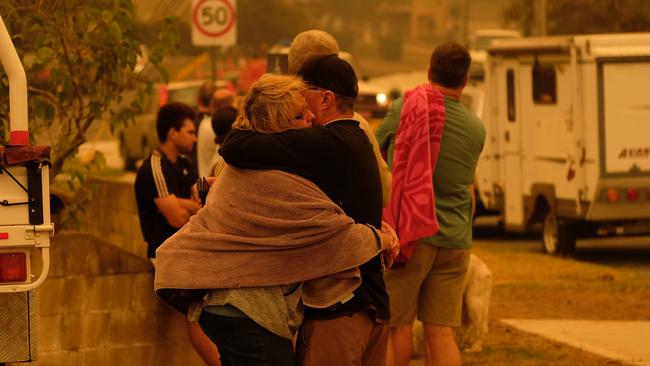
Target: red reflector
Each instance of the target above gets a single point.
(647, 195)
(164, 95)
(4, 235)
(632, 194)
(13, 267)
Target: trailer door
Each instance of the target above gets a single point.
(510, 122)
(624, 102)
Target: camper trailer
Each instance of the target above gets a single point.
(568, 136)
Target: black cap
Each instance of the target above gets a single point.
(331, 73)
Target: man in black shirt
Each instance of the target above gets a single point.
(338, 157)
(163, 194)
(163, 182)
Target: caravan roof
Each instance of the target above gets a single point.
(595, 45)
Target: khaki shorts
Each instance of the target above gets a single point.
(348, 340)
(431, 284)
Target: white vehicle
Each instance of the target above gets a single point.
(568, 136)
(479, 43)
(396, 84)
(482, 38)
(25, 225)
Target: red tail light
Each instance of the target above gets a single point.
(612, 195)
(647, 194)
(632, 194)
(13, 267)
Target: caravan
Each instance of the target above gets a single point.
(568, 136)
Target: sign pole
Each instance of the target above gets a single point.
(214, 25)
(213, 62)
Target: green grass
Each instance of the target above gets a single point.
(524, 353)
(599, 283)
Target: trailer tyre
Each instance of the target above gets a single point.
(558, 238)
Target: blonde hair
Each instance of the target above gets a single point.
(270, 104)
(308, 44)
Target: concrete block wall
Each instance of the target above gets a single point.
(97, 307)
(113, 214)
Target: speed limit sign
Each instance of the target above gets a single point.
(214, 22)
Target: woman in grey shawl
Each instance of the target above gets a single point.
(265, 243)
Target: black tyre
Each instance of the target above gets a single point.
(558, 238)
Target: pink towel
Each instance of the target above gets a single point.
(411, 209)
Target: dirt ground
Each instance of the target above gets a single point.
(605, 282)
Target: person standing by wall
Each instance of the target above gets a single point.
(163, 195)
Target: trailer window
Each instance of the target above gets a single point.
(544, 84)
(510, 89)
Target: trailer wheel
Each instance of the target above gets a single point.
(558, 238)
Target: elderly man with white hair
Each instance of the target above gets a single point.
(316, 42)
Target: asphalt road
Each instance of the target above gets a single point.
(630, 251)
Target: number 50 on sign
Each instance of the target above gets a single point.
(214, 22)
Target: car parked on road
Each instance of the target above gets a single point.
(398, 83)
